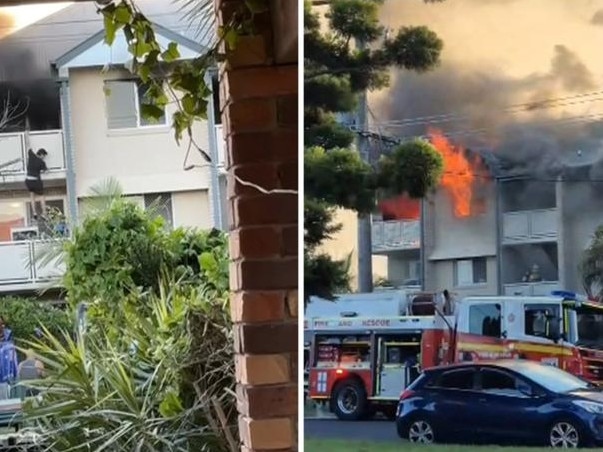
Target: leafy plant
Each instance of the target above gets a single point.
(140, 393)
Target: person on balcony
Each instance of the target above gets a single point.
(33, 181)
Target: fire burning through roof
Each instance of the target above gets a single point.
(460, 174)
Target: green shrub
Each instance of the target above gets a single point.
(24, 315)
(165, 394)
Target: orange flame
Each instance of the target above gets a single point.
(459, 174)
(400, 208)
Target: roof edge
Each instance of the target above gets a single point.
(98, 37)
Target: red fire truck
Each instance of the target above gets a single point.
(360, 363)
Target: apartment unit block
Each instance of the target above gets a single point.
(81, 104)
(524, 236)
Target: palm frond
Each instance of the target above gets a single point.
(200, 16)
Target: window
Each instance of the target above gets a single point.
(456, 379)
(470, 272)
(492, 380)
(501, 383)
(536, 316)
(13, 215)
(161, 205)
(485, 320)
(124, 103)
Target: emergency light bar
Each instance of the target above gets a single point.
(567, 295)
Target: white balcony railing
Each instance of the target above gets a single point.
(530, 226)
(22, 267)
(396, 235)
(13, 149)
(534, 289)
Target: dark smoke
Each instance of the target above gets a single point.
(571, 72)
(597, 18)
(538, 144)
(26, 83)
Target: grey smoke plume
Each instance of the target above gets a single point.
(529, 139)
(597, 18)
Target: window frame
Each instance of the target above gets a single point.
(537, 307)
(479, 306)
(518, 381)
(435, 381)
(473, 260)
(139, 126)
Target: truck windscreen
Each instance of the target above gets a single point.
(590, 328)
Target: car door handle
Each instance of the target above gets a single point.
(482, 400)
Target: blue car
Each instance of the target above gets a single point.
(507, 401)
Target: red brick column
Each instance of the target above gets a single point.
(259, 111)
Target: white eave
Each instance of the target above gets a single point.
(94, 52)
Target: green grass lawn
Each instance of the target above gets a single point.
(312, 445)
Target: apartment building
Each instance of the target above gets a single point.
(525, 237)
(83, 107)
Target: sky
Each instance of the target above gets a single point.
(16, 17)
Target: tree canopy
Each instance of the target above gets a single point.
(336, 71)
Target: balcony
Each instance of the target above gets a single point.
(13, 155)
(534, 289)
(396, 235)
(530, 226)
(22, 270)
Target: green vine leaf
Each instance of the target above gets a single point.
(171, 54)
(151, 112)
(110, 29)
(123, 14)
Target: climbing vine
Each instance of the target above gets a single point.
(167, 78)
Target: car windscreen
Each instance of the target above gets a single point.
(551, 378)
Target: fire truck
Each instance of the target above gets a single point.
(359, 362)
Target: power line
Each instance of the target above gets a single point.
(460, 116)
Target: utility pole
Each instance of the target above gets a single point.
(365, 245)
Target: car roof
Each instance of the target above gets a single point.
(510, 364)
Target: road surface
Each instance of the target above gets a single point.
(378, 430)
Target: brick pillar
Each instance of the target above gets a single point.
(259, 111)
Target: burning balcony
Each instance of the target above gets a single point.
(13, 157)
(394, 235)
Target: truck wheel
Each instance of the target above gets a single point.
(349, 400)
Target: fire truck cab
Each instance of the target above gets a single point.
(564, 330)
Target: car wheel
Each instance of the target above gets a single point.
(564, 434)
(349, 400)
(421, 431)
